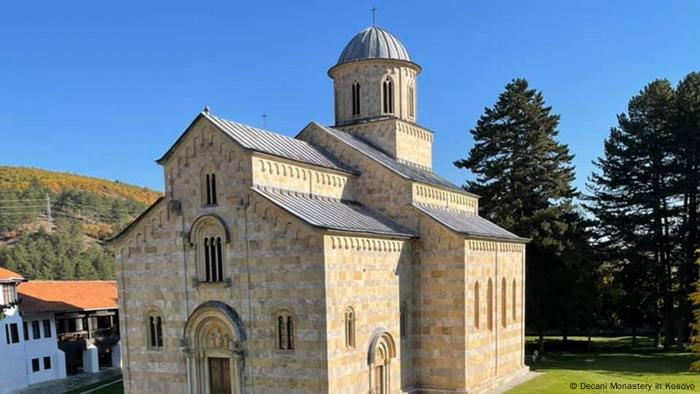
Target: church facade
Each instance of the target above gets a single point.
(333, 262)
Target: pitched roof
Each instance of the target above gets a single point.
(464, 223)
(404, 170)
(67, 295)
(258, 140)
(9, 276)
(333, 214)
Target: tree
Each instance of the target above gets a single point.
(643, 194)
(524, 176)
(687, 150)
(695, 347)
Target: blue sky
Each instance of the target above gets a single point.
(104, 89)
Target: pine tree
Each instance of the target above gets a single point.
(687, 149)
(524, 177)
(695, 298)
(633, 200)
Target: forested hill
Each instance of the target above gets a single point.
(52, 224)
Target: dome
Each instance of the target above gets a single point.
(373, 43)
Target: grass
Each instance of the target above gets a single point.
(114, 388)
(608, 361)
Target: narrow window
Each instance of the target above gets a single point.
(388, 96)
(159, 332)
(213, 189)
(47, 328)
(513, 302)
(36, 332)
(207, 260)
(210, 186)
(155, 328)
(25, 330)
(402, 321)
(212, 258)
(281, 345)
(349, 327)
(411, 102)
(290, 333)
(356, 98)
(504, 313)
(489, 306)
(476, 305)
(219, 261)
(152, 329)
(35, 365)
(47, 362)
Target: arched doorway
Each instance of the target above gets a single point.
(213, 340)
(381, 351)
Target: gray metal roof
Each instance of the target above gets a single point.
(374, 43)
(264, 141)
(275, 144)
(406, 171)
(329, 213)
(467, 224)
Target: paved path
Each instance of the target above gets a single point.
(72, 382)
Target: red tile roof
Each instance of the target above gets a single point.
(7, 275)
(67, 295)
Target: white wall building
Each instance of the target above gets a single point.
(13, 374)
(29, 352)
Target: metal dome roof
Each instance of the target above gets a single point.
(374, 43)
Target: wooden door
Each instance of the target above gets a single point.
(219, 376)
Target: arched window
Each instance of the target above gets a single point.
(210, 189)
(504, 313)
(209, 236)
(356, 98)
(213, 260)
(285, 331)
(489, 305)
(349, 327)
(476, 305)
(388, 96)
(402, 320)
(411, 101)
(513, 296)
(155, 331)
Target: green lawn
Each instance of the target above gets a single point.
(608, 361)
(116, 388)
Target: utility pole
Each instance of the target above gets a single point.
(48, 207)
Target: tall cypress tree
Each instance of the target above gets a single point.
(524, 177)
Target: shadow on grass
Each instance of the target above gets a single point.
(611, 356)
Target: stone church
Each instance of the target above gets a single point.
(336, 261)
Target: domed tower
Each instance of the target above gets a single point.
(375, 96)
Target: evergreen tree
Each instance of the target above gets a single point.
(524, 177)
(695, 347)
(687, 150)
(633, 198)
